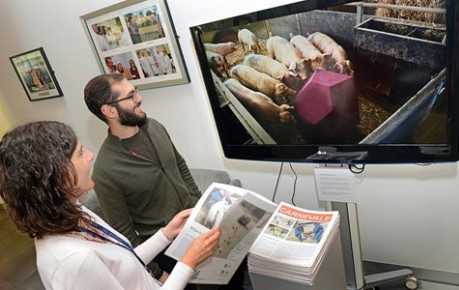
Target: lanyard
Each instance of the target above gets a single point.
(119, 241)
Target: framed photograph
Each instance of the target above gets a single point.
(137, 38)
(36, 75)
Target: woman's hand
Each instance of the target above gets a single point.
(201, 248)
(163, 277)
(174, 227)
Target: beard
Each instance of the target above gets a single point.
(129, 118)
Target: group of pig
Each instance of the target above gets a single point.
(261, 81)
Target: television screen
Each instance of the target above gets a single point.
(370, 80)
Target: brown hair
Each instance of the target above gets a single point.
(37, 178)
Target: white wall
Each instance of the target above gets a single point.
(407, 213)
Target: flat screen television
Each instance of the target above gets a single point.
(314, 81)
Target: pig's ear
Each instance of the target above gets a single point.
(327, 56)
(338, 67)
(292, 67)
(349, 64)
(279, 77)
(293, 74)
(350, 68)
(307, 61)
(281, 86)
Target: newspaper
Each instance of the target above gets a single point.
(240, 215)
(293, 243)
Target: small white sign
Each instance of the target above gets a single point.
(335, 184)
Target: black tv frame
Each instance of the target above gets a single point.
(374, 153)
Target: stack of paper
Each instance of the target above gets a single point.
(293, 244)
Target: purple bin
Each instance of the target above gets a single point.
(325, 94)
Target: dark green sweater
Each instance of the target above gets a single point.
(140, 194)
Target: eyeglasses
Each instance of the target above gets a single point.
(131, 95)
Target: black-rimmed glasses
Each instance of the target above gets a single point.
(131, 95)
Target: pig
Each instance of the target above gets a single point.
(309, 51)
(258, 104)
(218, 64)
(282, 50)
(246, 37)
(338, 57)
(260, 81)
(273, 68)
(221, 48)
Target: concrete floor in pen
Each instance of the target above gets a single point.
(18, 269)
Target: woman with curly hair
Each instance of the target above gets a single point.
(44, 170)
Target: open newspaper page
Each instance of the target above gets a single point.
(240, 215)
(293, 243)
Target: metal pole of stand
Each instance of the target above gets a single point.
(350, 241)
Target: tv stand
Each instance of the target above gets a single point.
(350, 238)
(332, 155)
(352, 255)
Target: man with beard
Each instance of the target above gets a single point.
(140, 179)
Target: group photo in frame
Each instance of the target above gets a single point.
(36, 75)
(137, 38)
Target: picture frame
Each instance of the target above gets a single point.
(36, 75)
(137, 38)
